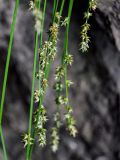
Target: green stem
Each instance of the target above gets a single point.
(46, 73)
(3, 144)
(32, 94)
(33, 87)
(44, 10)
(65, 50)
(62, 5)
(41, 39)
(8, 60)
(55, 5)
(46, 76)
(6, 74)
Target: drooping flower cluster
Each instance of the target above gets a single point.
(59, 75)
(55, 132)
(47, 54)
(40, 119)
(59, 100)
(62, 99)
(85, 39)
(70, 121)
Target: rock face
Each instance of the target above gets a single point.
(95, 94)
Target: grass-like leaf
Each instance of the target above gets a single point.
(6, 75)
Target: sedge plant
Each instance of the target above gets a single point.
(45, 53)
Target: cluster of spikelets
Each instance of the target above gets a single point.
(85, 39)
(47, 53)
(62, 99)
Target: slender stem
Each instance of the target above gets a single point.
(8, 60)
(3, 144)
(46, 76)
(32, 94)
(55, 5)
(62, 5)
(65, 50)
(44, 10)
(6, 74)
(41, 39)
(33, 87)
(42, 97)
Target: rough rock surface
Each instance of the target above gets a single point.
(95, 94)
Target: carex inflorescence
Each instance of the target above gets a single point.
(47, 52)
(61, 89)
(85, 39)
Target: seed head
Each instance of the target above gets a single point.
(27, 140)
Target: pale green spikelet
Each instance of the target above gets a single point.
(85, 39)
(27, 140)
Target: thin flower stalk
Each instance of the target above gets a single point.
(40, 118)
(55, 5)
(3, 144)
(6, 75)
(59, 100)
(66, 61)
(61, 73)
(28, 146)
(85, 39)
(37, 93)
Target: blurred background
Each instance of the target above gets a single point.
(95, 94)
